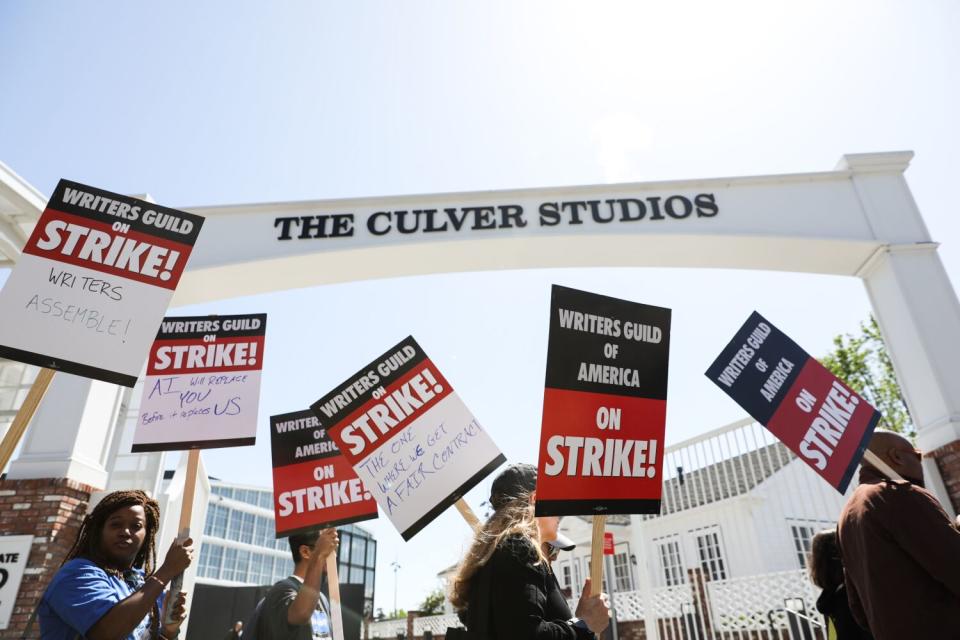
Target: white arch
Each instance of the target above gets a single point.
(857, 220)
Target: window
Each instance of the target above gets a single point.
(346, 540)
(266, 500)
(368, 585)
(711, 557)
(211, 555)
(623, 576)
(802, 536)
(671, 563)
(229, 564)
(263, 533)
(217, 521)
(243, 566)
(266, 571)
(357, 550)
(246, 527)
(577, 580)
(371, 553)
(256, 566)
(356, 575)
(234, 525)
(282, 568)
(565, 575)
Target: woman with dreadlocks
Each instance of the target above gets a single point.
(504, 588)
(106, 588)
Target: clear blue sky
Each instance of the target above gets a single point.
(232, 102)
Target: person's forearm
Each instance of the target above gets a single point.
(124, 616)
(302, 607)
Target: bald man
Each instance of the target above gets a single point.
(901, 552)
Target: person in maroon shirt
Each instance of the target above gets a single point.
(901, 552)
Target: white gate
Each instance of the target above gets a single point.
(726, 558)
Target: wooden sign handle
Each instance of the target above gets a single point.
(881, 466)
(333, 582)
(468, 514)
(596, 554)
(24, 416)
(186, 513)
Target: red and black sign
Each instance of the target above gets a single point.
(94, 281)
(818, 417)
(408, 435)
(313, 483)
(604, 406)
(115, 234)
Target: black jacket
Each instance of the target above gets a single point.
(525, 601)
(833, 603)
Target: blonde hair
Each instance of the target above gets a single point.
(515, 518)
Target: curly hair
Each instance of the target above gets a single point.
(512, 519)
(89, 538)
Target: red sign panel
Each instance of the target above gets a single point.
(313, 483)
(818, 417)
(604, 406)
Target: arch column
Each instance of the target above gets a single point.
(919, 316)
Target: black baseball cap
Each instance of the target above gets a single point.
(514, 481)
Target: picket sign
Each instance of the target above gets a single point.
(333, 582)
(186, 511)
(596, 555)
(24, 415)
(882, 466)
(468, 515)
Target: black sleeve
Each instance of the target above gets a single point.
(519, 595)
(273, 617)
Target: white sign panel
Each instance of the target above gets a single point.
(14, 551)
(202, 388)
(93, 283)
(413, 442)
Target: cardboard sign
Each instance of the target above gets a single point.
(409, 437)
(608, 546)
(604, 406)
(14, 551)
(808, 408)
(313, 483)
(202, 388)
(93, 283)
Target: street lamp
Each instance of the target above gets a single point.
(396, 567)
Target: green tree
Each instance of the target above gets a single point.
(433, 603)
(862, 361)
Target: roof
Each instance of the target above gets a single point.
(727, 478)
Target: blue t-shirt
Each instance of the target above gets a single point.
(79, 595)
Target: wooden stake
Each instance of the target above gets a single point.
(24, 415)
(596, 554)
(186, 514)
(189, 490)
(333, 582)
(882, 466)
(468, 514)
